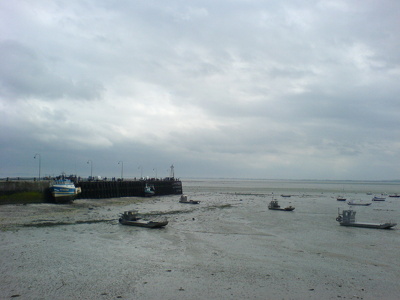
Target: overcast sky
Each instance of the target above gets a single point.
(237, 89)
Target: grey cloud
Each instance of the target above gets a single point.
(25, 74)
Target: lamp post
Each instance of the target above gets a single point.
(155, 170)
(40, 162)
(91, 168)
(141, 172)
(122, 168)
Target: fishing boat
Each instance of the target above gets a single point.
(274, 205)
(340, 198)
(348, 218)
(63, 190)
(184, 199)
(376, 198)
(132, 218)
(394, 196)
(360, 203)
(149, 190)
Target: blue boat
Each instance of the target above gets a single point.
(63, 190)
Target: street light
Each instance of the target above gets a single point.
(40, 162)
(122, 168)
(141, 172)
(91, 168)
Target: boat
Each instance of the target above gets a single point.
(184, 199)
(131, 218)
(63, 190)
(149, 190)
(274, 205)
(348, 218)
(286, 196)
(340, 197)
(352, 202)
(376, 198)
(394, 196)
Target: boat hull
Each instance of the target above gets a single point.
(190, 202)
(147, 224)
(63, 194)
(378, 199)
(370, 225)
(282, 209)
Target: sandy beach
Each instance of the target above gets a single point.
(230, 246)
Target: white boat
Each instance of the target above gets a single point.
(352, 202)
(348, 218)
(63, 190)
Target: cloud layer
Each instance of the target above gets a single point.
(306, 89)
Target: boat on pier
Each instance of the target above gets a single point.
(348, 218)
(149, 190)
(63, 190)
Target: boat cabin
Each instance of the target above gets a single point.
(130, 215)
(348, 216)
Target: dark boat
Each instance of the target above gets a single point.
(348, 218)
(273, 205)
(131, 218)
(394, 196)
(340, 198)
(184, 199)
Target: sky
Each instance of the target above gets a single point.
(218, 89)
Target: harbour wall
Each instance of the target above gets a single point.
(16, 186)
(24, 191)
(128, 188)
(31, 191)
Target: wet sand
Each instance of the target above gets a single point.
(230, 246)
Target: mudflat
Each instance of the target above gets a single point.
(230, 246)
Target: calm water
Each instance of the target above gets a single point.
(230, 246)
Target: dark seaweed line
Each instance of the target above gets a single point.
(49, 224)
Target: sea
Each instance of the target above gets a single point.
(229, 246)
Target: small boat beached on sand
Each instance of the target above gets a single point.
(348, 218)
(184, 199)
(131, 218)
(360, 203)
(376, 198)
(274, 205)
